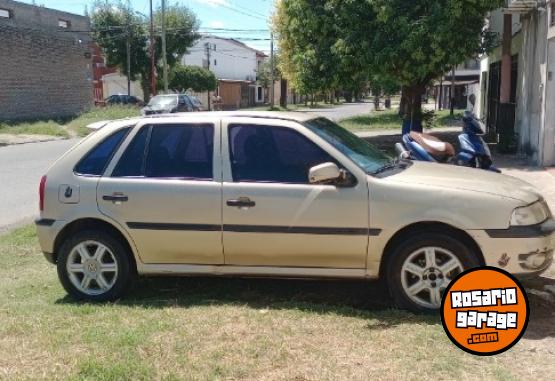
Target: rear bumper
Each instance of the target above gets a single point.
(47, 231)
(525, 251)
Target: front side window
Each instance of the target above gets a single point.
(96, 161)
(272, 154)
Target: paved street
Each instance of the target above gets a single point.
(344, 111)
(21, 167)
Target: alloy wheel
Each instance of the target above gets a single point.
(426, 273)
(92, 268)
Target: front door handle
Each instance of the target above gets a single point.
(116, 197)
(241, 202)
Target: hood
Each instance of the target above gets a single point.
(468, 179)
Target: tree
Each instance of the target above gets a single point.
(112, 23)
(306, 34)
(183, 78)
(412, 42)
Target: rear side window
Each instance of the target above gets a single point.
(96, 161)
(131, 163)
(180, 151)
(169, 151)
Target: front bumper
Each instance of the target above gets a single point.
(525, 251)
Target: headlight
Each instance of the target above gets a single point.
(531, 214)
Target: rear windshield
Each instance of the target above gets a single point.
(163, 100)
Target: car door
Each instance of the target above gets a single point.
(272, 216)
(165, 189)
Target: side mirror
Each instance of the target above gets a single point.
(325, 174)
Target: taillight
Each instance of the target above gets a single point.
(42, 188)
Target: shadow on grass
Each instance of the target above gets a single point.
(359, 299)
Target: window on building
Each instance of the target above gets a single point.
(552, 14)
(272, 155)
(215, 62)
(5, 13)
(64, 24)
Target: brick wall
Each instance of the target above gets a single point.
(44, 72)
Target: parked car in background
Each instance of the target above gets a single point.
(279, 195)
(169, 104)
(123, 100)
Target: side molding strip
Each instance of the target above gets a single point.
(255, 229)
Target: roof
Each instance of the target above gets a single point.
(237, 42)
(296, 116)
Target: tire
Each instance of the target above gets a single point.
(100, 273)
(415, 285)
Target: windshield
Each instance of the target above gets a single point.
(163, 101)
(362, 153)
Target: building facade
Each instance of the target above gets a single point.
(236, 67)
(45, 62)
(532, 85)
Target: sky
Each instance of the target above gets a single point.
(229, 14)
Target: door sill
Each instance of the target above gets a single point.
(263, 271)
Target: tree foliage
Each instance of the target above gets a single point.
(112, 22)
(408, 43)
(183, 78)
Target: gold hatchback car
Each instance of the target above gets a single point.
(277, 195)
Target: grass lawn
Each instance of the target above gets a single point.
(389, 120)
(202, 328)
(70, 126)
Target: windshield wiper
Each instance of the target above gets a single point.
(391, 165)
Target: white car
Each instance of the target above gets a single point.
(277, 195)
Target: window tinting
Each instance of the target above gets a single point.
(273, 154)
(178, 151)
(132, 160)
(96, 161)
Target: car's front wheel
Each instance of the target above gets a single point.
(94, 266)
(421, 267)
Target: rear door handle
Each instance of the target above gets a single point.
(241, 202)
(116, 198)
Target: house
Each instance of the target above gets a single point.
(45, 62)
(234, 64)
(466, 79)
(518, 98)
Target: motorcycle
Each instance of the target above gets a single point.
(474, 152)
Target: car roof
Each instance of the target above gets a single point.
(295, 116)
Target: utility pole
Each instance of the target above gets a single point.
(452, 92)
(208, 48)
(164, 55)
(272, 68)
(128, 47)
(152, 53)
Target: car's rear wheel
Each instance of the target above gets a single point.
(95, 266)
(421, 267)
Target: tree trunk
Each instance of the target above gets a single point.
(283, 93)
(145, 86)
(412, 112)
